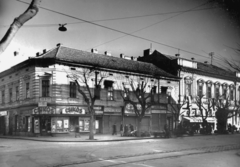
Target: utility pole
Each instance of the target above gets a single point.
(211, 54)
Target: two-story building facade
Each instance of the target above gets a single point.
(199, 79)
(38, 98)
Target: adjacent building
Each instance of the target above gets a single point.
(198, 79)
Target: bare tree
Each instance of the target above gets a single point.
(135, 94)
(177, 107)
(205, 106)
(17, 24)
(234, 65)
(225, 110)
(82, 78)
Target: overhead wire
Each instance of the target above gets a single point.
(151, 26)
(128, 34)
(148, 27)
(113, 19)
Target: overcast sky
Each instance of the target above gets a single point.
(192, 27)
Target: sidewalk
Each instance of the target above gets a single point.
(83, 138)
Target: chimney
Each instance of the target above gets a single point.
(94, 50)
(147, 52)
(15, 53)
(59, 44)
(44, 51)
(134, 58)
(177, 55)
(37, 54)
(122, 55)
(107, 53)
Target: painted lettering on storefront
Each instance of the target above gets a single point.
(54, 110)
(3, 113)
(44, 110)
(129, 109)
(73, 110)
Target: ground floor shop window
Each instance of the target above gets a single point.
(84, 124)
(28, 124)
(59, 124)
(36, 125)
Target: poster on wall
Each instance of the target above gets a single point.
(59, 124)
(36, 125)
(65, 123)
(29, 124)
(86, 124)
(81, 127)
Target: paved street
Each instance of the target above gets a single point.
(214, 150)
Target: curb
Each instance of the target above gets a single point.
(87, 140)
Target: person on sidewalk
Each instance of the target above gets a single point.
(77, 134)
(167, 135)
(121, 129)
(114, 128)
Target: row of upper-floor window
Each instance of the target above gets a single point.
(212, 90)
(14, 91)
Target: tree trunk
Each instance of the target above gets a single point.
(17, 23)
(222, 116)
(92, 127)
(139, 127)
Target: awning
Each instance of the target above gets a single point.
(199, 119)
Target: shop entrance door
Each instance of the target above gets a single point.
(98, 124)
(45, 125)
(2, 126)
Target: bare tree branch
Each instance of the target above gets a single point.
(17, 24)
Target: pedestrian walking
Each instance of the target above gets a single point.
(121, 129)
(229, 128)
(166, 131)
(126, 130)
(114, 129)
(77, 134)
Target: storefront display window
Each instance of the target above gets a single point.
(96, 124)
(59, 124)
(28, 124)
(36, 125)
(84, 124)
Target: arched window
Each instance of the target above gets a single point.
(200, 84)
(231, 92)
(188, 86)
(216, 91)
(239, 94)
(224, 90)
(209, 89)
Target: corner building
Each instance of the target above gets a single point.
(37, 97)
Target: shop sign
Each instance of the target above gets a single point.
(129, 109)
(3, 113)
(98, 112)
(73, 110)
(44, 110)
(112, 109)
(98, 108)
